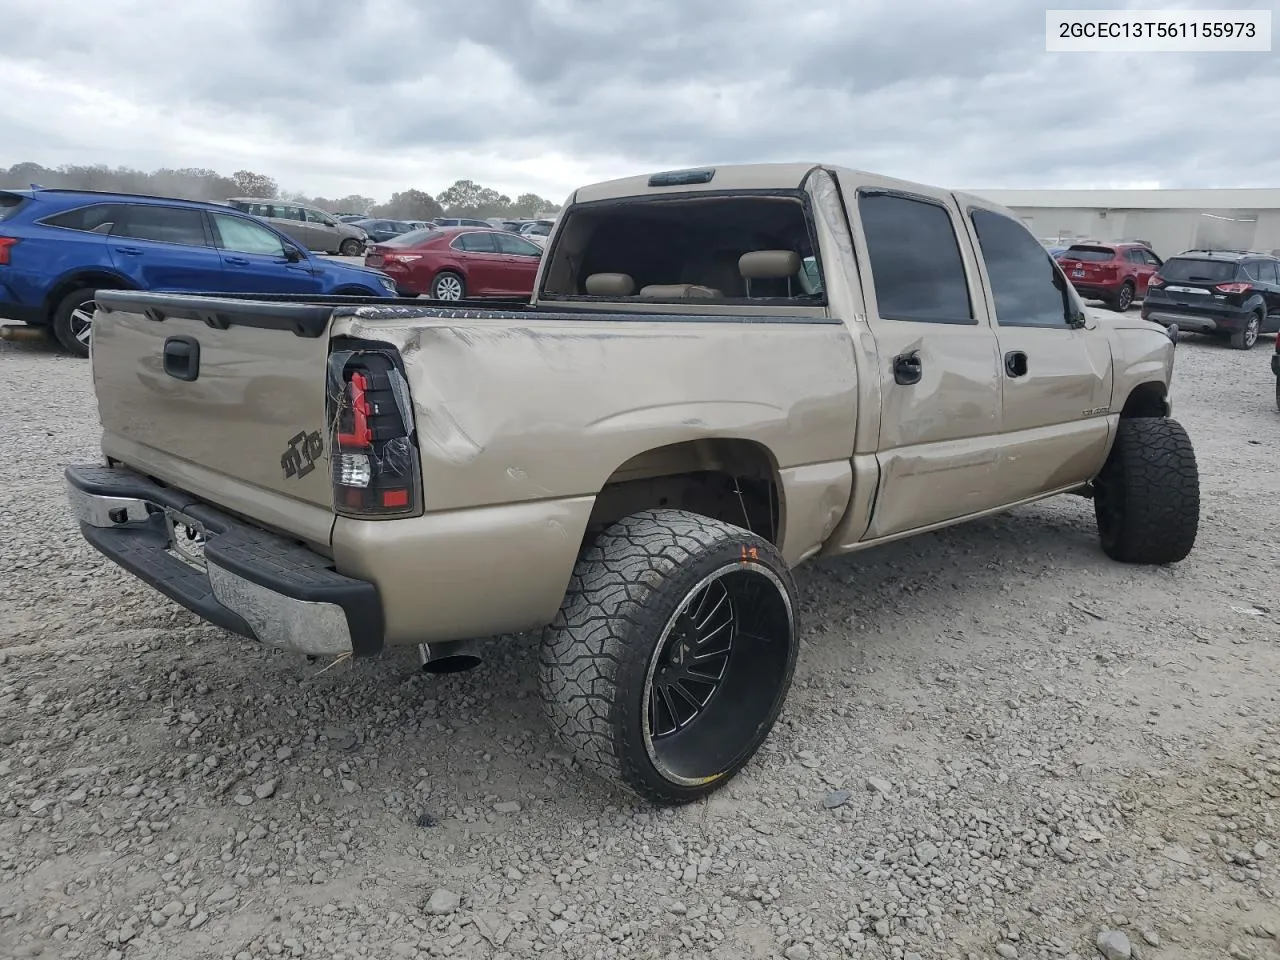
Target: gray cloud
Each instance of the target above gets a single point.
(949, 92)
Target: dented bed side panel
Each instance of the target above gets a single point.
(512, 409)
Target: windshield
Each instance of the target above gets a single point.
(410, 238)
(1206, 271)
(1089, 253)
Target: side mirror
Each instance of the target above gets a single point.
(293, 254)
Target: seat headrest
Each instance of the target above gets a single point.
(769, 264)
(679, 291)
(610, 285)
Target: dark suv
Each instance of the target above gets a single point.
(1226, 293)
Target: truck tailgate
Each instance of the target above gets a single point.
(222, 397)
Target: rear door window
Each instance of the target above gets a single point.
(915, 260)
(162, 224)
(1265, 271)
(476, 243)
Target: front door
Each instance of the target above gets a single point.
(254, 261)
(523, 257)
(1055, 363)
(940, 389)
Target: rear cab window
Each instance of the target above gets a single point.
(1192, 270)
(688, 248)
(1089, 253)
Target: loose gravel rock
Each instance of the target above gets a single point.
(998, 743)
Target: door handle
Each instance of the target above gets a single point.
(907, 368)
(182, 358)
(237, 261)
(131, 251)
(1015, 363)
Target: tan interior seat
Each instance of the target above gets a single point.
(610, 285)
(679, 291)
(769, 273)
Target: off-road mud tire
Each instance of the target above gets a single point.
(597, 656)
(1147, 497)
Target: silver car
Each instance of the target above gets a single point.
(312, 228)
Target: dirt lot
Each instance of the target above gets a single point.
(999, 744)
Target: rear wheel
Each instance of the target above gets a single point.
(1246, 338)
(1147, 497)
(351, 247)
(448, 286)
(1124, 299)
(669, 661)
(73, 321)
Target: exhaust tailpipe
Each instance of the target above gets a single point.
(453, 656)
(23, 333)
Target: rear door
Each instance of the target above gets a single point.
(324, 230)
(939, 383)
(254, 261)
(1268, 284)
(484, 263)
(1055, 365)
(522, 259)
(164, 248)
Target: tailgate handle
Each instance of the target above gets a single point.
(182, 358)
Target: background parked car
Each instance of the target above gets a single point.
(460, 222)
(1218, 292)
(1116, 273)
(57, 247)
(381, 230)
(309, 226)
(452, 263)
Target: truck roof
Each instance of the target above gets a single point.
(739, 176)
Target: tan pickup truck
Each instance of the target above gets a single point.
(722, 373)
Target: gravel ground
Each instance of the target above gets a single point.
(999, 744)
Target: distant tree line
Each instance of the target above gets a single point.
(465, 198)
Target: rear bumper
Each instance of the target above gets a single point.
(1195, 321)
(1097, 291)
(12, 310)
(254, 583)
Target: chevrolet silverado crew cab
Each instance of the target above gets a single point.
(722, 373)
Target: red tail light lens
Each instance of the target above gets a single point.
(374, 456)
(6, 244)
(1233, 287)
(1156, 281)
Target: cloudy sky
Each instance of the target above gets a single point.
(338, 96)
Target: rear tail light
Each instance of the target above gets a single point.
(6, 244)
(1233, 288)
(374, 456)
(1156, 281)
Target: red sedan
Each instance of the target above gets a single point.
(452, 263)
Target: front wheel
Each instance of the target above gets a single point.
(672, 655)
(1147, 497)
(351, 248)
(1246, 338)
(73, 321)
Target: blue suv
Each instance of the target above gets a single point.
(58, 246)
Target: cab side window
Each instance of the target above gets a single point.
(915, 260)
(1025, 284)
